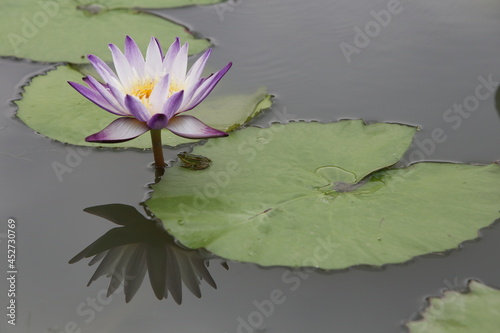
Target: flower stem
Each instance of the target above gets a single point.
(157, 148)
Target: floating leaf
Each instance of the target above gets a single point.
(296, 195)
(151, 3)
(55, 31)
(477, 310)
(51, 107)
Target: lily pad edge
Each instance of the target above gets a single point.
(462, 291)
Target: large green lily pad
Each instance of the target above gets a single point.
(477, 310)
(53, 108)
(284, 196)
(64, 30)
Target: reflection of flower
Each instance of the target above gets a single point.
(150, 94)
(126, 253)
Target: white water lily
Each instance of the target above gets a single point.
(150, 93)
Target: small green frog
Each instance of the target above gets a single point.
(194, 162)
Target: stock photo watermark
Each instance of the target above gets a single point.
(31, 25)
(291, 280)
(363, 36)
(455, 115)
(73, 158)
(11, 271)
(89, 309)
(454, 118)
(225, 7)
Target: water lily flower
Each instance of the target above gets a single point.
(150, 93)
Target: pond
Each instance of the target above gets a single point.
(320, 63)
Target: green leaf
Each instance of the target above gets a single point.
(149, 3)
(477, 310)
(61, 31)
(53, 108)
(284, 195)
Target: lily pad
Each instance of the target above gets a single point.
(477, 310)
(51, 107)
(66, 31)
(149, 3)
(299, 195)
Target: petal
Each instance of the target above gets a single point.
(171, 55)
(154, 58)
(136, 108)
(102, 68)
(189, 94)
(158, 121)
(192, 128)
(207, 86)
(122, 66)
(120, 130)
(173, 103)
(179, 66)
(94, 97)
(159, 94)
(195, 72)
(107, 95)
(119, 95)
(134, 56)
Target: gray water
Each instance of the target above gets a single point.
(427, 58)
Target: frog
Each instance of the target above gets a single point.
(194, 162)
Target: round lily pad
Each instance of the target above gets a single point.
(477, 310)
(307, 194)
(53, 108)
(66, 31)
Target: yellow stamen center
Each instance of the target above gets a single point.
(174, 87)
(143, 90)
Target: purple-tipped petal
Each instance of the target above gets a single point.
(192, 128)
(94, 97)
(179, 67)
(158, 121)
(171, 55)
(122, 66)
(119, 95)
(154, 58)
(134, 56)
(136, 108)
(189, 94)
(120, 130)
(102, 68)
(107, 95)
(196, 70)
(159, 94)
(207, 86)
(173, 103)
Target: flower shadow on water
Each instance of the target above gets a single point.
(125, 254)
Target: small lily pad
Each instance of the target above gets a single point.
(309, 194)
(477, 310)
(66, 31)
(51, 107)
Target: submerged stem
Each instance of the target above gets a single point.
(157, 148)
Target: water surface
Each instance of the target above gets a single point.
(429, 57)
